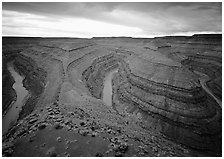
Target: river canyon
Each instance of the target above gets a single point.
(112, 96)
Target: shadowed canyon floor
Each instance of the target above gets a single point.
(114, 96)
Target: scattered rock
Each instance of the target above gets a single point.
(155, 149)
(59, 139)
(142, 150)
(68, 142)
(115, 147)
(118, 154)
(48, 107)
(145, 151)
(58, 120)
(123, 147)
(126, 139)
(94, 134)
(58, 126)
(72, 113)
(115, 140)
(42, 126)
(92, 128)
(73, 141)
(56, 112)
(43, 145)
(34, 115)
(137, 139)
(51, 152)
(8, 152)
(82, 123)
(66, 154)
(32, 138)
(67, 122)
(172, 153)
(21, 132)
(7, 149)
(6, 145)
(108, 151)
(33, 121)
(98, 154)
(119, 130)
(83, 132)
(109, 131)
(51, 113)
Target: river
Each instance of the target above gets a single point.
(107, 90)
(13, 113)
(203, 78)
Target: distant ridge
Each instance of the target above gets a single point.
(208, 35)
(19, 37)
(43, 37)
(126, 37)
(179, 36)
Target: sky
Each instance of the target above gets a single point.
(101, 19)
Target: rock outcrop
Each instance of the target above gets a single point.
(34, 81)
(183, 111)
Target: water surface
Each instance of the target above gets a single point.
(203, 78)
(107, 90)
(13, 113)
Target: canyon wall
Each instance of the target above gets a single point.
(183, 111)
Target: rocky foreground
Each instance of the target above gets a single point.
(159, 105)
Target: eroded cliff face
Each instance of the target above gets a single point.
(27, 67)
(171, 95)
(197, 53)
(95, 74)
(34, 81)
(8, 93)
(182, 111)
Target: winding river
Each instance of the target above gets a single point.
(203, 78)
(13, 113)
(107, 90)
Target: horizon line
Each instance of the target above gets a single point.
(179, 35)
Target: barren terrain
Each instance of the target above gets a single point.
(166, 96)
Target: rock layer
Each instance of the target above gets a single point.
(157, 96)
(186, 115)
(34, 81)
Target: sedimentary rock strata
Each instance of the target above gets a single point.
(11, 47)
(199, 52)
(34, 81)
(9, 94)
(209, 65)
(186, 113)
(95, 74)
(157, 95)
